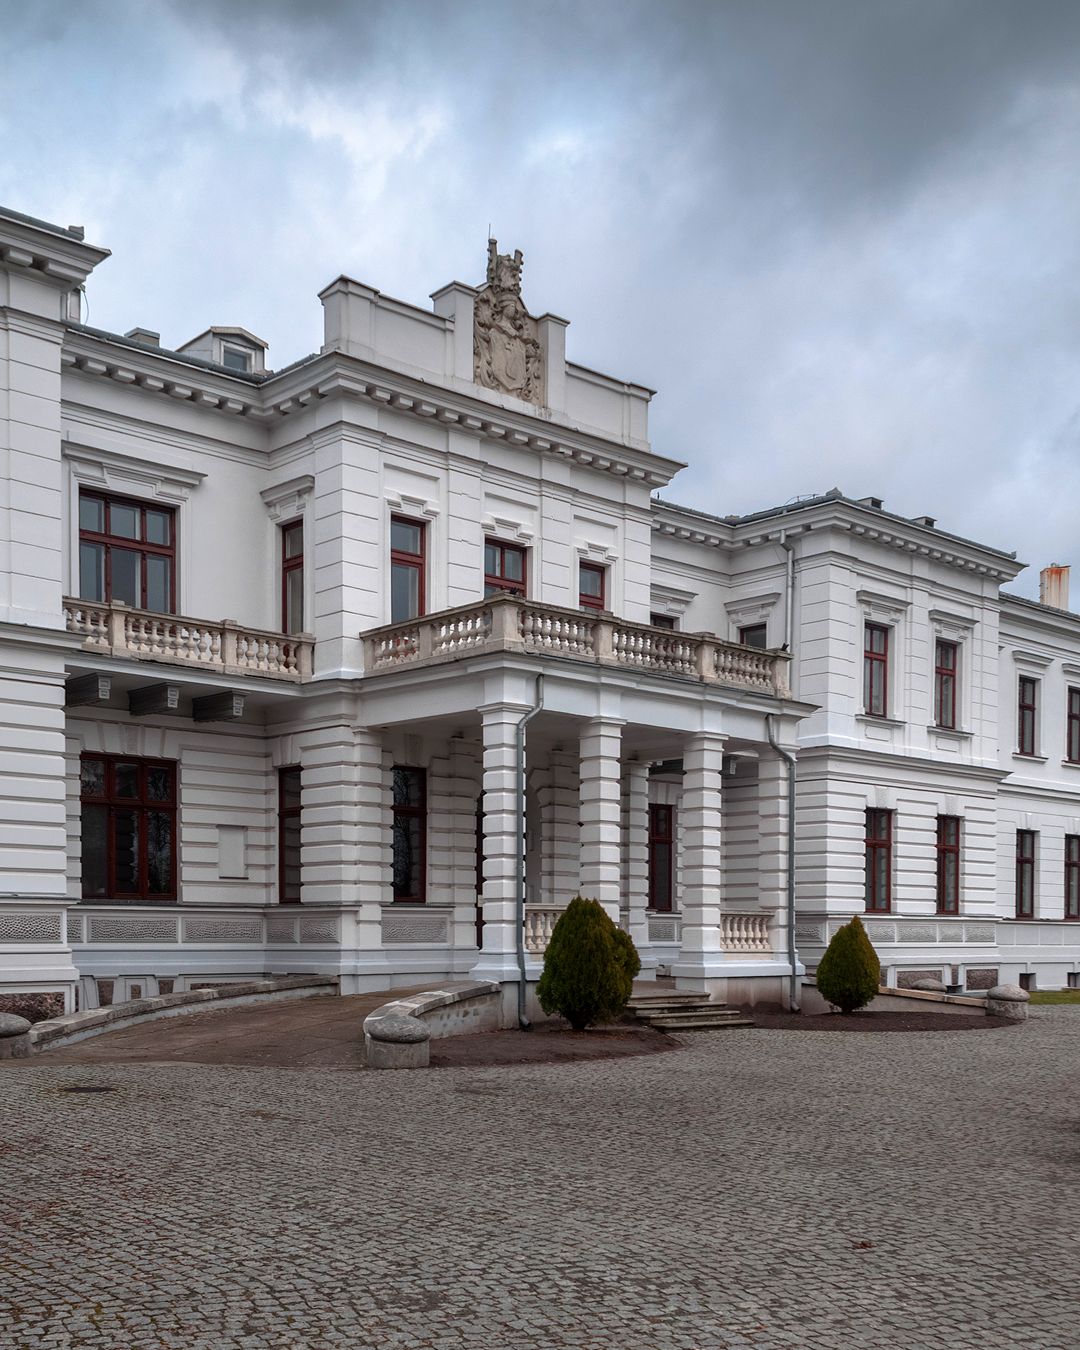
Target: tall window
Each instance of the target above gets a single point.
(1072, 729)
(406, 569)
(661, 857)
(504, 568)
(128, 828)
(410, 834)
(876, 670)
(948, 864)
(755, 635)
(1072, 876)
(289, 835)
(127, 551)
(878, 861)
(292, 577)
(945, 684)
(1027, 712)
(592, 584)
(1025, 874)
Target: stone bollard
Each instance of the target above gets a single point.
(1007, 1001)
(396, 1042)
(14, 1036)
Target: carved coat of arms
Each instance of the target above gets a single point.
(506, 353)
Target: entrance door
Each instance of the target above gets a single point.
(661, 858)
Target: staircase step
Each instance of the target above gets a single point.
(699, 1020)
(666, 1000)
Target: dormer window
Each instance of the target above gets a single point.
(235, 358)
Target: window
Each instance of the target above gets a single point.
(289, 787)
(292, 577)
(1027, 711)
(1072, 728)
(235, 358)
(876, 670)
(945, 684)
(878, 861)
(661, 858)
(948, 864)
(663, 621)
(406, 569)
(128, 828)
(1025, 874)
(127, 551)
(410, 834)
(592, 579)
(1072, 876)
(755, 635)
(504, 568)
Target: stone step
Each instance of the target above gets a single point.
(668, 1000)
(699, 1020)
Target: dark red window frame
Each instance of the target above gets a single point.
(1072, 726)
(290, 564)
(875, 664)
(415, 561)
(585, 601)
(878, 843)
(404, 814)
(948, 864)
(945, 665)
(290, 787)
(1027, 700)
(749, 635)
(1025, 874)
(496, 580)
(661, 858)
(109, 542)
(142, 805)
(666, 621)
(1072, 877)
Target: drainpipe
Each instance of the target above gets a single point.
(519, 908)
(793, 955)
(789, 591)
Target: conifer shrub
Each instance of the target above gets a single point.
(589, 966)
(849, 973)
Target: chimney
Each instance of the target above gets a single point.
(1054, 586)
(144, 335)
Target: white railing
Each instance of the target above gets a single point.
(540, 921)
(225, 646)
(745, 933)
(509, 623)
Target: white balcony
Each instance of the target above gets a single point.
(225, 647)
(508, 623)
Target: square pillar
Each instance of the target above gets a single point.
(601, 809)
(636, 857)
(504, 843)
(702, 957)
(772, 845)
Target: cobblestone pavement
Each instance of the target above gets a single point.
(759, 1189)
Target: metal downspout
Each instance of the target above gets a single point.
(789, 591)
(793, 955)
(519, 899)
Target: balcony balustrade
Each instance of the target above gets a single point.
(118, 630)
(739, 933)
(508, 623)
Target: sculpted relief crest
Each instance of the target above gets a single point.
(506, 353)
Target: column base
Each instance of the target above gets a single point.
(738, 983)
(499, 966)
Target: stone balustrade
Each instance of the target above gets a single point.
(509, 623)
(739, 932)
(118, 630)
(745, 933)
(540, 921)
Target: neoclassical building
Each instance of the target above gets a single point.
(365, 666)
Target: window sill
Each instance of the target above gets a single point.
(869, 719)
(157, 902)
(955, 733)
(1029, 759)
(1070, 763)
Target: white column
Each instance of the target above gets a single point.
(636, 855)
(701, 957)
(562, 848)
(345, 828)
(772, 845)
(503, 842)
(601, 806)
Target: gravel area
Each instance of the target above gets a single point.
(761, 1188)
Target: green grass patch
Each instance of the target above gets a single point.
(1055, 996)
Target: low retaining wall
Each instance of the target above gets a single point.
(78, 1026)
(898, 1000)
(396, 1034)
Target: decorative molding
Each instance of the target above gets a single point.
(506, 347)
(753, 609)
(596, 552)
(407, 505)
(884, 609)
(951, 627)
(109, 470)
(1037, 660)
(670, 600)
(287, 500)
(502, 527)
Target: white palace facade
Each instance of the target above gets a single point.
(367, 665)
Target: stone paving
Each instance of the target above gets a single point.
(758, 1189)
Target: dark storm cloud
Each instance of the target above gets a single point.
(841, 238)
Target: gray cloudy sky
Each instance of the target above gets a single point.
(841, 237)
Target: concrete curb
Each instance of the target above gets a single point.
(94, 1021)
(396, 1034)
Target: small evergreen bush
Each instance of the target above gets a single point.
(849, 973)
(589, 966)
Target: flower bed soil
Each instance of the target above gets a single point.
(879, 1021)
(549, 1043)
